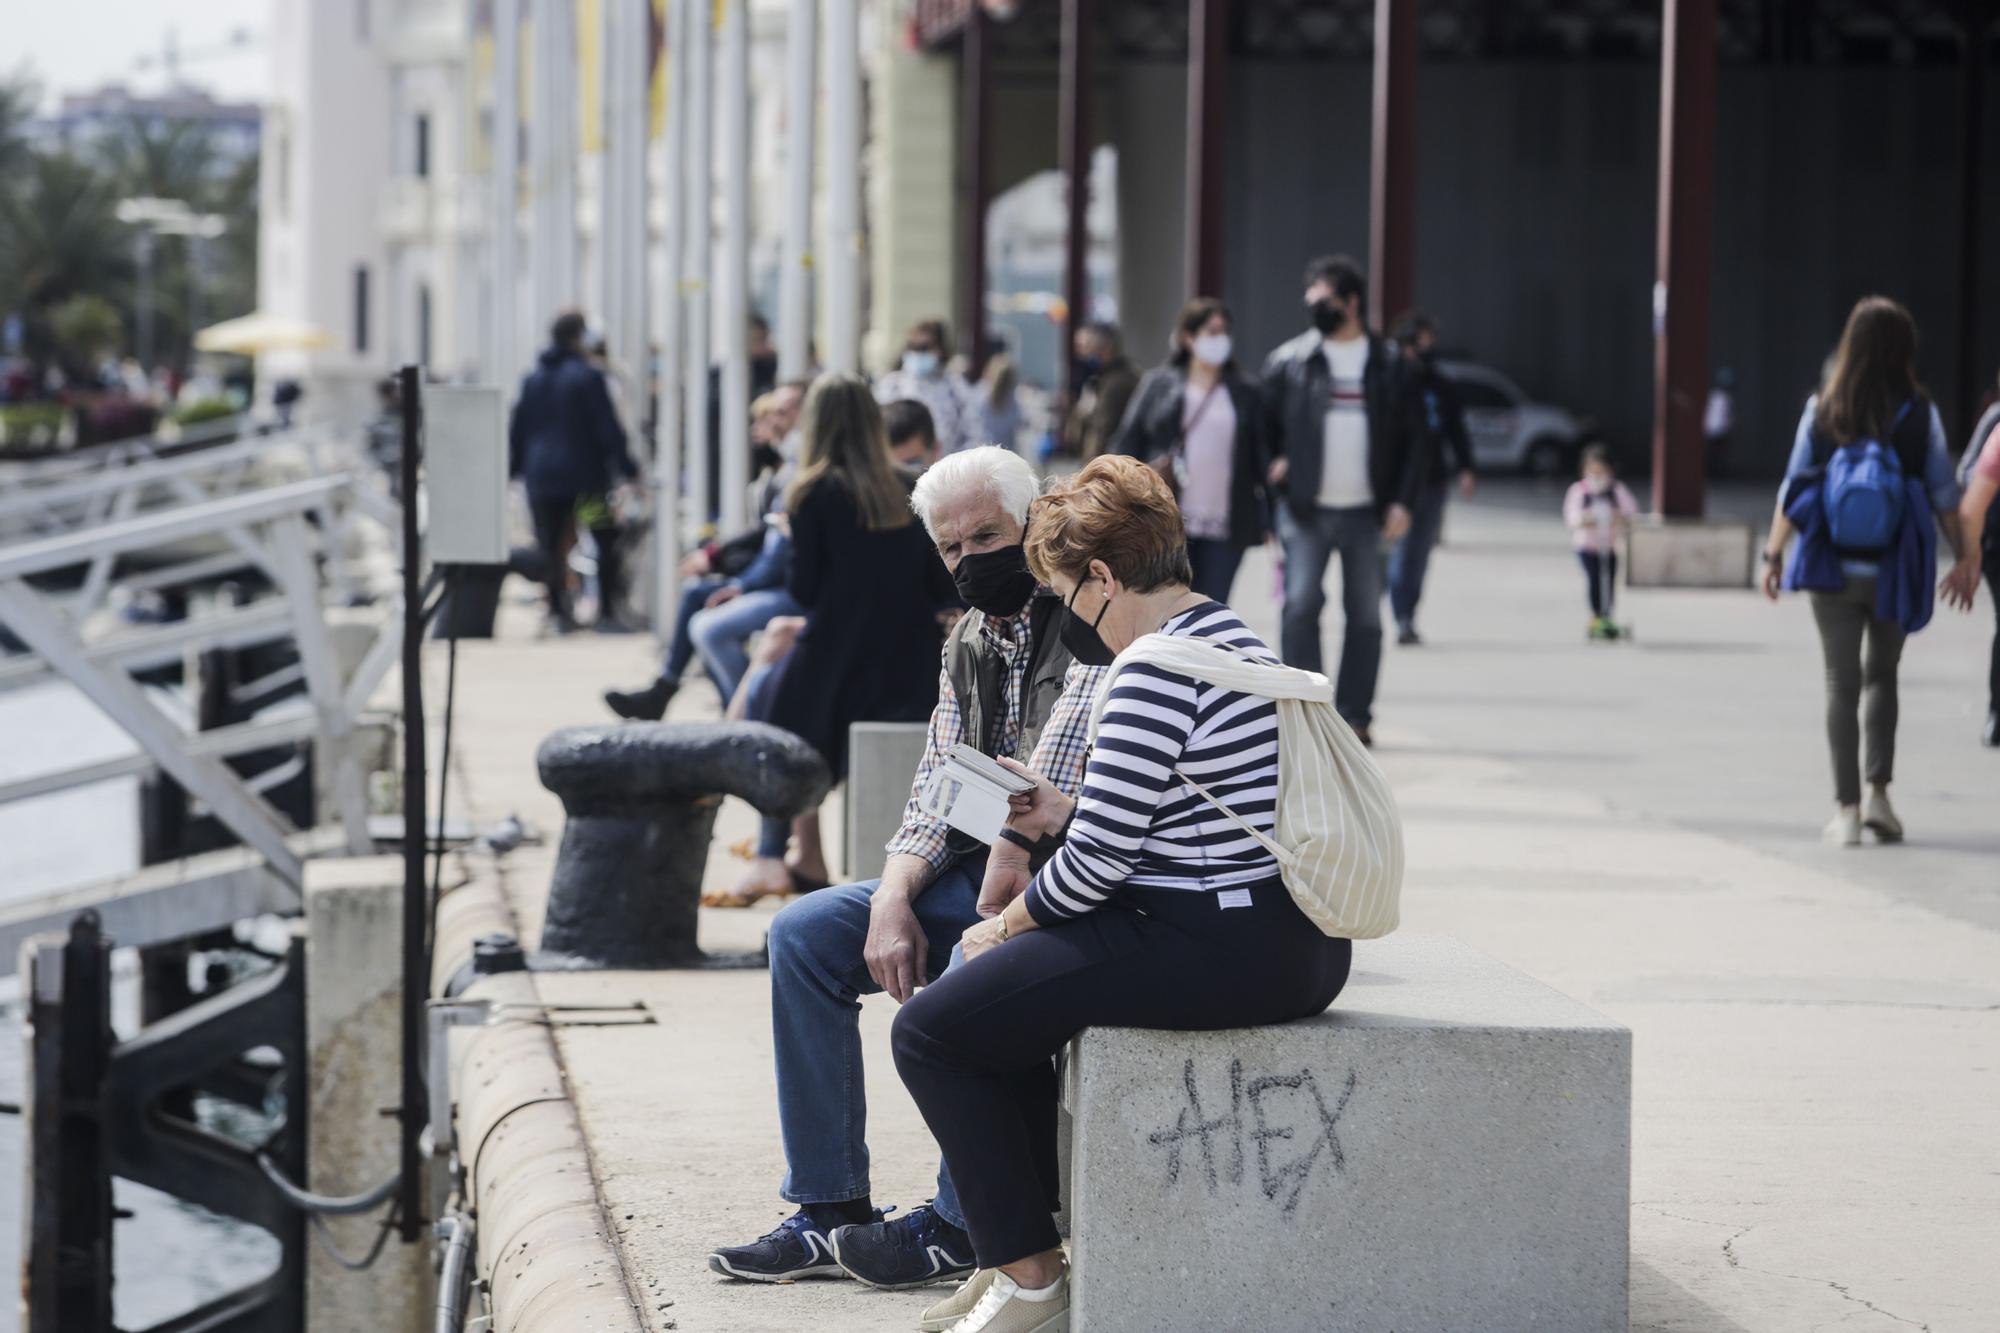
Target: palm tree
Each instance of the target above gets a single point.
(18, 95)
(59, 237)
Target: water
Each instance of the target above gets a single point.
(169, 1256)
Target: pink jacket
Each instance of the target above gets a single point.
(1582, 510)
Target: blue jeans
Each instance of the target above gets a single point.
(1356, 534)
(1215, 560)
(817, 981)
(1411, 557)
(721, 634)
(680, 649)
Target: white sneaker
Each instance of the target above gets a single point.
(1844, 829)
(1002, 1310)
(941, 1316)
(1880, 817)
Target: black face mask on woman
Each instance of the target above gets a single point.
(1082, 640)
(997, 582)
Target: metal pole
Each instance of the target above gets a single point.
(668, 315)
(1392, 172)
(505, 333)
(416, 975)
(1977, 18)
(1073, 148)
(736, 266)
(638, 62)
(1680, 295)
(610, 174)
(843, 186)
(795, 275)
(700, 219)
(976, 116)
(563, 89)
(146, 243)
(1207, 123)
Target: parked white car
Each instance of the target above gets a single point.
(1511, 431)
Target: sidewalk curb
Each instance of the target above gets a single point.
(545, 1243)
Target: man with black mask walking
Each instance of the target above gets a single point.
(1339, 399)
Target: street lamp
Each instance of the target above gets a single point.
(155, 217)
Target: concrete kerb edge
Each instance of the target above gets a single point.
(546, 1246)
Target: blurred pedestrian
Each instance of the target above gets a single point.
(1718, 420)
(1979, 475)
(1868, 467)
(1199, 422)
(1339, 401)
(1444, 454)
(921, 375)
(1597, 510)
(912, 436)
(997, 404)
(1106, 383)
(564, 442)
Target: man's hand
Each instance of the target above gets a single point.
(1007, 876)
(1395, 523)
(1467, 483)
(694, 564)
(1279, 470)
(728, 592)
(895, 947)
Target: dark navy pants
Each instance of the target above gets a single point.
(976, 1048)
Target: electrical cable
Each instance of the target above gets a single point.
(444, 768)
(324, 1234)
(317, 1204)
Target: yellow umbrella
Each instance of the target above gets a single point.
(259, 332)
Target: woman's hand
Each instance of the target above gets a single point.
(1042, 810)
(1962, 583)
(1774, 574)
(980, 938)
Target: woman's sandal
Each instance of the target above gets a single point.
(736, 898)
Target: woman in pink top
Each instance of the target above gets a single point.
(1201, 425)
(1597, 509)
(1981, 527)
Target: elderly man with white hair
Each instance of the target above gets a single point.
(1009, 688)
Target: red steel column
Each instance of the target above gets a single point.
(1074, 152)
(1392, 167)
(1686, 222)
(1207, 124)
(975, 117)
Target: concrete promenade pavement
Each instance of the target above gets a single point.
(1816, 1031)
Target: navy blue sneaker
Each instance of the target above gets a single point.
(797, 1248)
(910, 1251)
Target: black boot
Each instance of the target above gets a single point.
(647, 705)
(1992, 733)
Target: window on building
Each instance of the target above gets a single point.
(423, 323)
(423, 145)
(361, 310)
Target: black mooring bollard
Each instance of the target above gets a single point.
(641, 799)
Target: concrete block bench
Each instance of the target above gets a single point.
(882, 759)
(1447, 1148)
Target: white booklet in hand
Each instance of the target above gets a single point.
(969, 792)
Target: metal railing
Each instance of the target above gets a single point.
(301, 536)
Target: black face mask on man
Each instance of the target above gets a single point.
(1082, 639)
(1328, 316)
(996, 582)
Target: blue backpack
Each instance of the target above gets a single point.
(1864, 494)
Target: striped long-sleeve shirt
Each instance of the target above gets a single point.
(1137, 823)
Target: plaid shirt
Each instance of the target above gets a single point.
(1059, 755)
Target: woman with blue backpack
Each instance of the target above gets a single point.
(1868, 469)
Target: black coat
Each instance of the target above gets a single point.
(564, 439)
(1152, 428)
(1445, 448)
(872, 641)
(1296, 388)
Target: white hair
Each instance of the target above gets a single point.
(987, 471)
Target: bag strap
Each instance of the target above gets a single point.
(1283, 854)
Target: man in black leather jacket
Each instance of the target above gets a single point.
(1341, 407)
